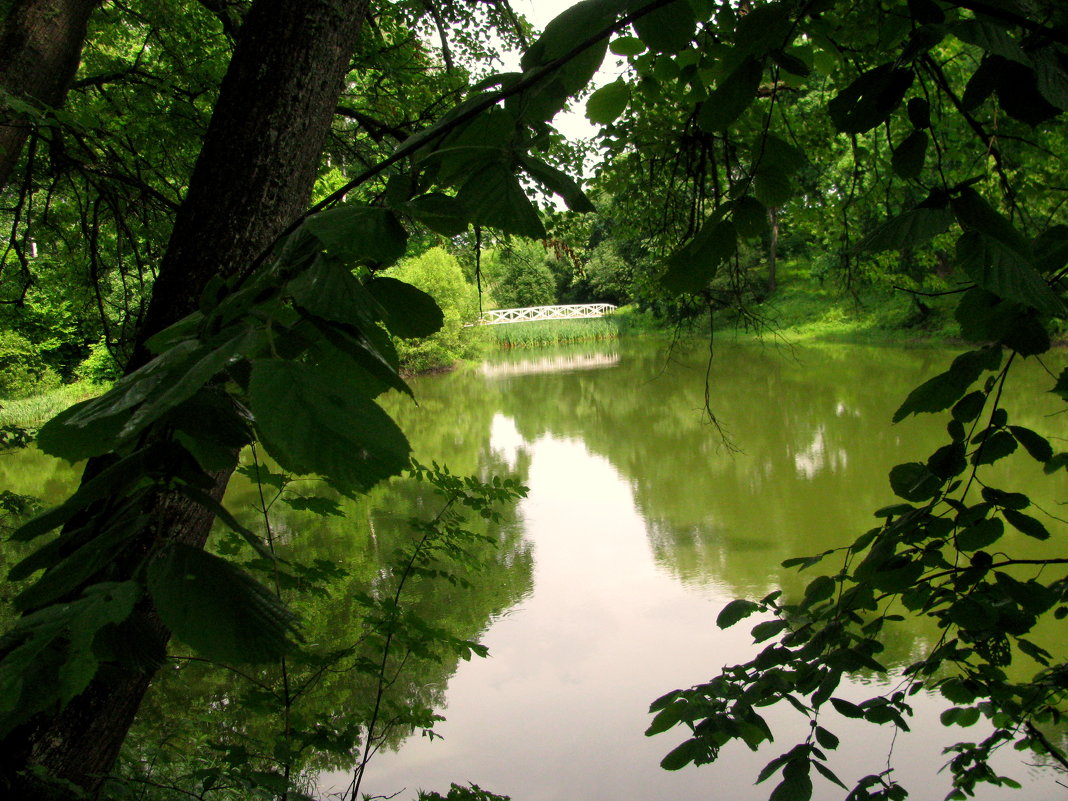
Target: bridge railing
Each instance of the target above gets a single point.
(575, 311)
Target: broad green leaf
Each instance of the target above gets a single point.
(996, 445)
(682, 755)
(1002, 270)
(907, 159)
(316, 504)
(919, 111)
(667, 29)
(971, 614)
(795, 788)
(736, 610)
(984, 317)
(93, 427)
(627, 46)
(750, 216)
(1035, 444)
(608, 102)
(975, 214)
(1026, 524)
(982, 534)
(827, 739)
(731, 97)
(495, 199)
(1051, 76)
(772, 188)
(946, 389)
(870, 99)
(486, 139)
(909, 230)
(819, 589)
(357, 233)
(1060, 387)
(768, 629)
(764, 28)
(991, 37)
(439, 212)
(409, 312)
(217, 608)
(558, 182)
(981, 85)
(914, 482)
(779, 155)
(695, 264)
(315, 422)
(847, 708)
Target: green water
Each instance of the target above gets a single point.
(643, 519)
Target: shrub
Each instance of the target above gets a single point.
(438, 273)
(99, 366)
(22, 370)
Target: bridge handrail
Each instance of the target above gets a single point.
(573, 311)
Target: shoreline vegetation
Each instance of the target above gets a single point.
(803, 310)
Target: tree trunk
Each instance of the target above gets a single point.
(40, 49)
(253, 176)
(773, 250)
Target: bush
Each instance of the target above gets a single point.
(99, 366)
(22, 370)
(520, 276)
(438, 273)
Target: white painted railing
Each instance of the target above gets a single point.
(577, 311)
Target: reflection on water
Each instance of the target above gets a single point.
(639, 526)
(643, 526)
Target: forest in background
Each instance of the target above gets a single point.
(250, 219)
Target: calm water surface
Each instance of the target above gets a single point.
(641, 523)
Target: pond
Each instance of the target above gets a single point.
(643, 519)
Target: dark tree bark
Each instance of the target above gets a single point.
(253, 176)
(40, 49)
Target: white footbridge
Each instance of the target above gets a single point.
(577, 311)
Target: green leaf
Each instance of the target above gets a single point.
(313, 421)
(994, 446)
(870, 99)
(736, 610)
(907, 159)
(356, 233)
(767, 629)
(1036, 445)
(919, 111)
(731, 97)
(1026, 524)
(682, 755)
(667, 29)
(773, 189)
(942, 391)
(608, 102)
(980, 535)
(560, 183)
(991, 37)
(217, 608)
(819, 589)
(909, 230)
(495, 198)
(847, 708)
(750, 216)
(696, 263)
(794, 788)
(627, 46)
(1002, 270)
(410, 312)
(439, 212)
(827, 739)
(914, 482)
(1051, 77)
(1060, 387)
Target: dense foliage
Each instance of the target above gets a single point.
(928, 128)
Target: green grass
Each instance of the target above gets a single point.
(36, 410)
(804, 309)
(537, 334)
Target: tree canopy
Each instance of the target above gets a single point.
(226, 183)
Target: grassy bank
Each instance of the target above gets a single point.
(557, 332)
(34, 411)
(806, 309)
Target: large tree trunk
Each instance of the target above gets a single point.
(254, 175)
(40, 49)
